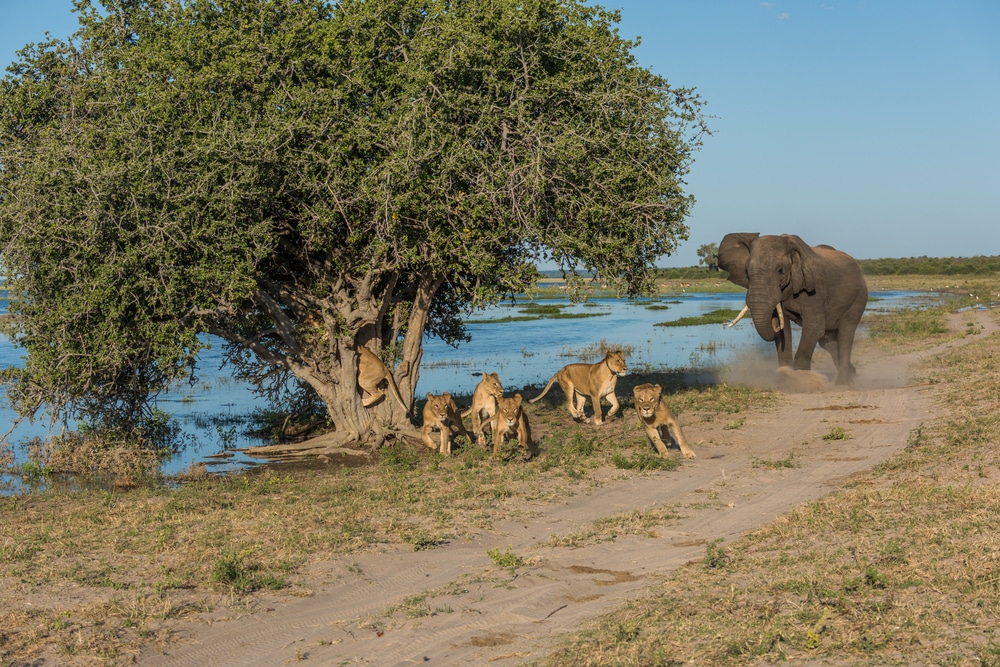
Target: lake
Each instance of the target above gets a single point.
(211, 412)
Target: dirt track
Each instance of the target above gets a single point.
(483, 614)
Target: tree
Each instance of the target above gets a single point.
(300, 178)
(708, 255)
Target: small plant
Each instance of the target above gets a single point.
(715, 556)
(583, 445)
(233, 570)
(227, 436)
(33, 472)
(627, 632)
(420, 540)
(837, 433)
(398, 456)
(775, 464)
(506, 559)
(643, 461)
(871, 579)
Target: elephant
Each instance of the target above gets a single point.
(818, 287)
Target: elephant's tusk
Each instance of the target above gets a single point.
(738, 317)
(781, 319)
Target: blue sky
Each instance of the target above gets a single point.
(870, 125)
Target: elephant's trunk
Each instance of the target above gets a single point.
(765, 320)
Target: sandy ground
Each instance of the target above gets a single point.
(477, 613)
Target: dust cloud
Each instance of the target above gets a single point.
(757, 366)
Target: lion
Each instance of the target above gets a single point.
(484, 405)
(371, 372)
(510, 419)
(654, 413)
(578, 381)
(441, 413)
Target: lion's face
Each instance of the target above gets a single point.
(647, 397)
(509, 410)
(437, 407)
(616, 362)
(491, 384)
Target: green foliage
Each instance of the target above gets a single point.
(299, 177)
(931, 266)
(708, 255)
(505, 559)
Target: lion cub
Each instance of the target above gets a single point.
(511, 420)
(441, 413)
(578, 381)
(654, 413)
(484, 405)
(371, 372)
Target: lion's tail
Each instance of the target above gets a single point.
(395, 391)
(546, 390)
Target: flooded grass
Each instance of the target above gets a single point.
(719, 316)
(596, 351)
(541, 311)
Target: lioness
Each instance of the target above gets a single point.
(511, 420)
(441, 413)
(654, 413)
(371, 372)
(578, 381)
(484, 405)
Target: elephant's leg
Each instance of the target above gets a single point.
(807, 345)
(845, 369)
(831, 343)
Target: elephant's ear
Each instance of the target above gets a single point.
(734, 251)
(803, 265)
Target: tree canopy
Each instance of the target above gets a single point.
(301, 177)
(708, 255)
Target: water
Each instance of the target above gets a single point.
(529, 353)
(212, 411)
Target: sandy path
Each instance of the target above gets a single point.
(486, 615)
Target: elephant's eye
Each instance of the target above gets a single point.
(781, 269)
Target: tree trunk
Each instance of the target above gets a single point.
(330, 368)
(408, 372)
